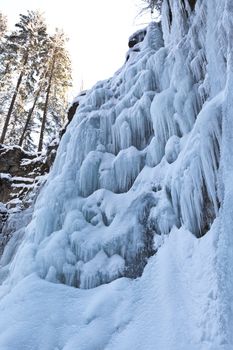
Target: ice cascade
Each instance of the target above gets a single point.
(140, 156)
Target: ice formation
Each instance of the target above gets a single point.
(141, 186)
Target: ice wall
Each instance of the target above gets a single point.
(141, 155)
(91, 222)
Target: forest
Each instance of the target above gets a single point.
(35, 77)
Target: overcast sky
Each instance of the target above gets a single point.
(98, 32)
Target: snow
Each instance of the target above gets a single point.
(3, 208)
(22, 179)
(22, 185)
(5, 176)
(130, 241)
(173, 304)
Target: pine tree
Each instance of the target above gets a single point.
(39, 85)
(3, 25)
(57, 83)
(35, 74)
(6, 70)
(24, 45)
(152, 5)
(25, 134)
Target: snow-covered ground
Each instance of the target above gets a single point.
(174, 305)
(137, 210)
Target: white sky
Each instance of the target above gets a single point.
(98, 32)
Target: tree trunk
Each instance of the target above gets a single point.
(29, 117)
(42, 129)
(6, 124)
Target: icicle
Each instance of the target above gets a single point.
(194, 186)
(126, 167)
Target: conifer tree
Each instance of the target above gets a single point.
(35, 74)
(6, 69)
(58, 79)
(42, 68)
(152, 5)
(3, 25)
(22, 45)
(26, 127)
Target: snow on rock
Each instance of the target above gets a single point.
(137, 209)
(22, 174)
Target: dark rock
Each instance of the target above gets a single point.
(137, 38)
(72, 111)
(192, 4)
(5, 188)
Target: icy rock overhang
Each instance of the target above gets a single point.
(137, 37)
(140, 156)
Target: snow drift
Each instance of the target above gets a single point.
(137, 210)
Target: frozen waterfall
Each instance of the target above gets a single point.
(140, 195)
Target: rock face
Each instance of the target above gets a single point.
(72, 110)
(19, 170)
(137, 37)
(21, 175)
(15, 169)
